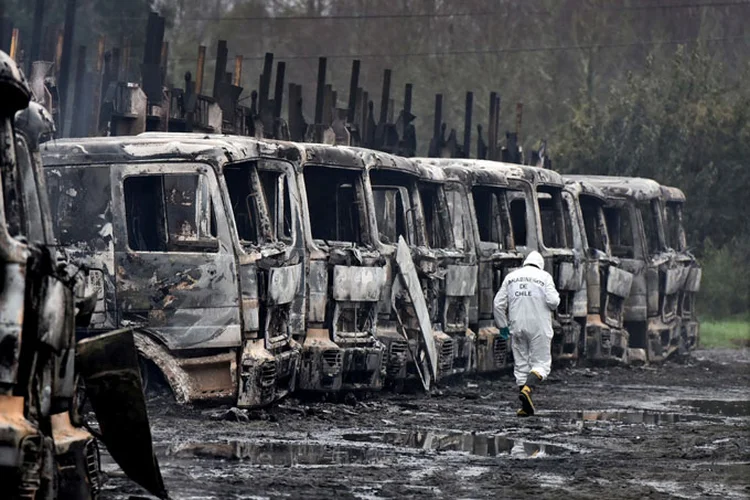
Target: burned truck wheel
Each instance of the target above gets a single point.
(152, 379)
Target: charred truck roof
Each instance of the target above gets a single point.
(672, 194)
(637, 188)
(151, 147)
(470, 172)
(582, 186)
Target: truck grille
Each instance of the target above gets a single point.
(268, 374)
(92, 466)
(31, 448)
(332, 361)
(396, 357)
(446, 355)
(500, 351)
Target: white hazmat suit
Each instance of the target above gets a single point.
(524, 305)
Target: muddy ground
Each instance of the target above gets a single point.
(681, 430)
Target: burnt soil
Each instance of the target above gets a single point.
(678, 430)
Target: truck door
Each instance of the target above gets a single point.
(175, 264)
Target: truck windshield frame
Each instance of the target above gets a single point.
(552, 215)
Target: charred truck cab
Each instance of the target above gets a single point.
(673, 203)
(608, 286)
(555, 235)
(410, 201)
(210, 299)
(634, 222)
(487, 191)
(346, 271)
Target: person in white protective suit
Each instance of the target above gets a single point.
(523, 308)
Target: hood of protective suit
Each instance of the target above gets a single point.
(534, 259)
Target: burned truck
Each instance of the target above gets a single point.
(552, 229)
(633, 215)
(431, 277)
(45, 451)
(481, 190)
(673, 200)
(345, 270)
(211, 296)
(608, 286)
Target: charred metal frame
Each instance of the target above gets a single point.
(651, 309)
(495, 260)
(608, 286)
(202, 355)
(346, 280)
(673, 200)
(448, 275)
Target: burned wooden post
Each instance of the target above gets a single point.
(491, 132)
(14, 41)
(151, 69)
(320, 92)
(65, 60)
(497, 125)
(237, 80)
(437, 128)
(467, 124)
(265, 82)
(385, 97)
(79, 125)
(319, 125)
(297, 123)
(278, 95)
(200, 69)
(405, 128)
(221, 66)
(408, 89)
(36, 35)
(98, 82)
(353, 86)
(481, 144)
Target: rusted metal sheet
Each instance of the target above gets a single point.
(408, 276)
(461, 281)
(283, 284)
(357, 284)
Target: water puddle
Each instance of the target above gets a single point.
(483, 445)
(646, 417)
(718, 407)
(279, 453)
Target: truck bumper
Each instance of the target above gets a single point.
(266, 377)
(604, 344)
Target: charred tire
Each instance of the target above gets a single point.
(152, 379)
